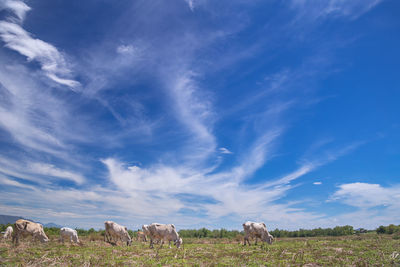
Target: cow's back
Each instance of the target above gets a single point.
(28, 226)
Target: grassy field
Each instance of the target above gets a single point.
(363, 250)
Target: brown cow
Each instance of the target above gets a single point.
(115, 232)
(25, 228)
(141, 236)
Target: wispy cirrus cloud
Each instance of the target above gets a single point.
(190, 4)
(18, 7)
(194, 111)
(16, 38)
(38, 172)
(341, 8)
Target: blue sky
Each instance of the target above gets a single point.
(200, 113)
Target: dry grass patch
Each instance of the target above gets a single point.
(346, 251)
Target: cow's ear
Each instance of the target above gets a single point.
(126, 228)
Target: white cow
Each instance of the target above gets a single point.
(257, 230)
(164, 232)
(70, 234)
(117, 232)
(8, 232)
(24, 228)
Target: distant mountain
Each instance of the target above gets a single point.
(5, 219)
(48, 225)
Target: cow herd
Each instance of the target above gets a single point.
(114, 232)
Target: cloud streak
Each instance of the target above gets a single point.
(16, 38)
(341, 8)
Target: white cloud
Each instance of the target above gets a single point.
(6, 181)
(364, 195)
(51, 170)
(224, 150)
(194, 111)
(342, 8)
(191, 4)
(375, 205)
(317, 183)
(126, 49)
(38, 172)
(18, 7)
(303, 170)
(16, 38)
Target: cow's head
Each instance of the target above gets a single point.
(128, 240)
(42, 237)
(269, 239)
(178, 242)
(127, 237)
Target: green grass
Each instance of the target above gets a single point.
(363, 250)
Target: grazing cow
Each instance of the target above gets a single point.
(145, 229)
(257, 230)
(117, 232)
(70, 234)
(164, 232)
(8, 232)
(141, 236)
(25, 228)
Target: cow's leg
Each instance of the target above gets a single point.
(169, 243)
(256, 241)
(107, 237)
(151, 242)
(162, 243)
(246, 238)
(15, 238)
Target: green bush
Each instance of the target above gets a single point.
(390, 229)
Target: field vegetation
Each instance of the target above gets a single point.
(370, 249)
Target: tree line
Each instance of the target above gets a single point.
(223, 233)
(390, 229)
(336, 231)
